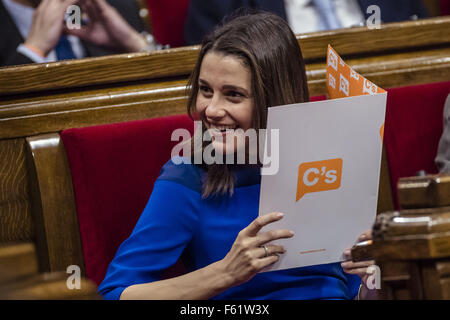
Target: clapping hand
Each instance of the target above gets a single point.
(47, 25)
(107, 28)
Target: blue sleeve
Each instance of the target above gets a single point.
(353, 283)
(163, 231)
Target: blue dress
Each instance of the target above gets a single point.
(177, 220)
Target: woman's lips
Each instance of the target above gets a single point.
(219, 133)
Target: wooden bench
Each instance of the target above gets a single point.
(411, 246)
(37, 102)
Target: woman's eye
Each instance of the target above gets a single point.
(205, 89)
(235, 94)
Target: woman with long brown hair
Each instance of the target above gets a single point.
(209, 212)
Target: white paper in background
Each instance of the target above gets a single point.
(325, 222)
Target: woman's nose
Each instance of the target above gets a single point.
(214, 110)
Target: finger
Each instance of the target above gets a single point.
(366, 235)
(102, 7)
(266, 261)
(271, 235)
(102, 4)
(67, 3)
(43, 4)
(253, 228)
(92, 11)
(80, 33)
(348, 254)
(353, 265)
(360, 272)
(272, 249)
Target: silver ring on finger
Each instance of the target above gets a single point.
(266, 250)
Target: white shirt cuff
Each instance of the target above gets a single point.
(23, 49)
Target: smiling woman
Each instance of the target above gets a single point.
(208, 213)
(225, 101)
(244, 67)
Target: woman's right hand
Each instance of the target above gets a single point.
(247, 256)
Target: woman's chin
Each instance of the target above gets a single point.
(231, 153)
(223, 148)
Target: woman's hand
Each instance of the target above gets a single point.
(248, 256)
(359, 268)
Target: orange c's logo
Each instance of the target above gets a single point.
(319, 176)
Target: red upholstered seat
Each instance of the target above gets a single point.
(167, 19)
(414, 121)
(113, 170)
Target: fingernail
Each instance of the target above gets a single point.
(291, 232)
(347, 252)
(280, 214)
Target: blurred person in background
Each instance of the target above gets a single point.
(443, 155)
(34, 31)
(303, 15)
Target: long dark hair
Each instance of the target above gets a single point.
(267, 46)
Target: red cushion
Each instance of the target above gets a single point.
(167, 19)
(318, 98)
(445, 7)
(414, 121)
(113, 170)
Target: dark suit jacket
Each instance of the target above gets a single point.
(204, 15)
(10, 37)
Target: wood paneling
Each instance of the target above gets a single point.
(15, 218)
(180, 61)
(29, 116)
(107, 70)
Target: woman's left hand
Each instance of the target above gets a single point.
(358, 268)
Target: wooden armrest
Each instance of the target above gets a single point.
(48, 286)
(17, 261)
(429, 191)
(362, 251)
(20, 279)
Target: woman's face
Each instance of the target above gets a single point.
(225, 100)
